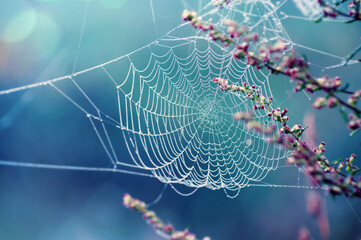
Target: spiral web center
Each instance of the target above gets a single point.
(176, 124)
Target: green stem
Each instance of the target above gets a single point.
(349, 57)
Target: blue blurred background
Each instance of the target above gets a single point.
(39, 40)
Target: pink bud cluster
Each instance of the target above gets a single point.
(234, 30)
(315, 163)
(261, 101)
(354, 98)
(279, 115)
(304, 81)
(221, 3)
(134, 204)
(354, 9)
(328, 84)
(329, 12)
(296, 68)
(330, 174)
(322, 102)
(245, 116)
(354, 122)
(273, 58)
(155, 221)
(224, 86)
(276, 115)
(191, 16)
(259, 60)
(251, 124)
(261, 128)
(296, 130)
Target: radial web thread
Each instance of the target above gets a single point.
(175, 122)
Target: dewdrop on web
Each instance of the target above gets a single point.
(247, 47)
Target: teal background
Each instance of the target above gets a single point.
(39, 40)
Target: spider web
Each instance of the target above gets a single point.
(176, 124)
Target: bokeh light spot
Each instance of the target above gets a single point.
(20, 27)
(45, 39)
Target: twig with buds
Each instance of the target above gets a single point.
(156, 222)
(338, 176)
(338, 179)
(332, 11)
(270, 56)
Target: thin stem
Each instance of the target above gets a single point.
(357, 49)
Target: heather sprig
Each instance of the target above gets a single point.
(158, 225)
(329, 10)
(296, 68)
(338, 176)
(354, 13)
(332, 11)
(261, 102)
(221, 3)
(275, 58)
(338, 179)
(250, 92)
